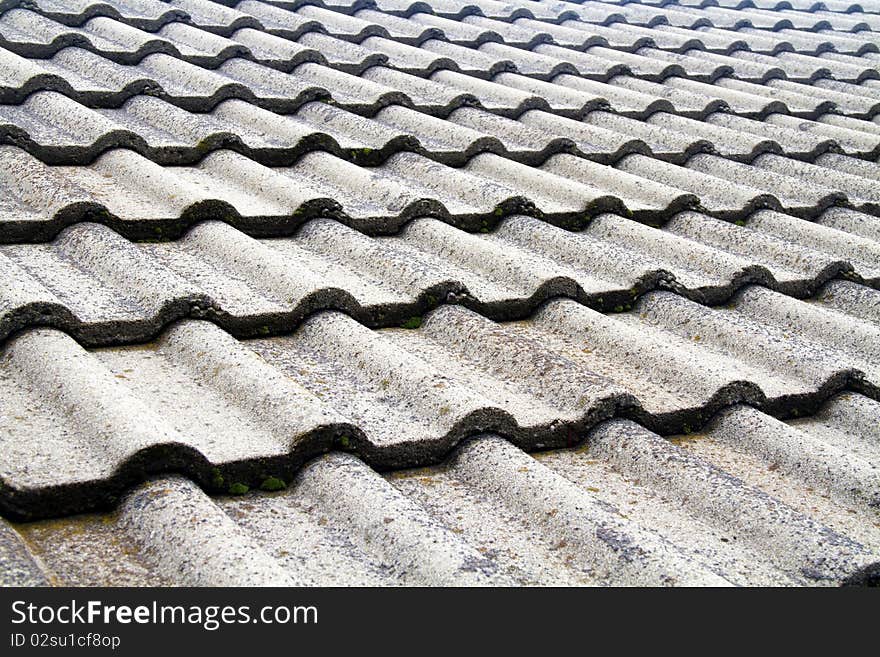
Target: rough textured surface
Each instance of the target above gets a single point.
(102, 289)
(96, 81)
(483, 46)
(142, 200)
(81, 425)
(627, 508)
(298, 245)
(57, 130)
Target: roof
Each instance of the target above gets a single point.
(477, 293)
(631, 508)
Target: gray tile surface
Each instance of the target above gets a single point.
(301, 245)
(626, 508)
(143, 200)
(101, 288)
(58, 130)
(401, 396)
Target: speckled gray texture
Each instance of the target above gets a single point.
(490, 515)
(505, 226)
(215, 15)
(136, 196)
(58, 130)
(178, 530)
(840, 457)
(385, 523)
(143, 200)
(796, 543)
(148, 15)
(18, 565)
(102, 289)
(619, 552)
(98, 82)
(105, 62)
(530, 49)
(403, 397)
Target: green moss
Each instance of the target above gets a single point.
(360, 154)
(271, 484)
(345, 442)
(412, 323)
(216, 478)
(238, 489)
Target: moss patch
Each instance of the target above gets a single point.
(271, 484)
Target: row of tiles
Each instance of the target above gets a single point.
(586, 13)
(78, 426)
(143, 200)
(225, 14)
(527, 46)
(97, 82)
(102, 289)
(842, 6)
(57, 130)
(754, 501)
(138, 455)
(275, 22)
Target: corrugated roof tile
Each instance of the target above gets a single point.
(505, 226)
(75, 284)
(537, 381)
(494, 515)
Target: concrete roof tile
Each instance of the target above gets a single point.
(534, 381)
(628, 507)
(236, 236)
